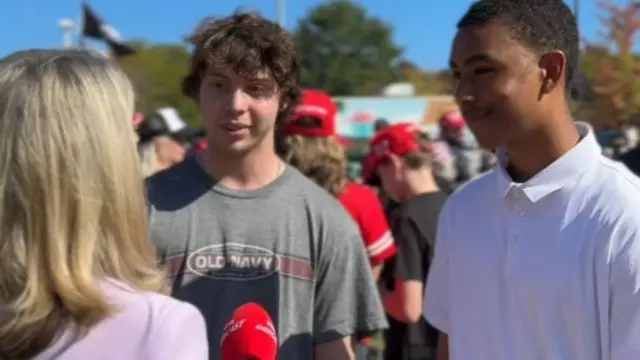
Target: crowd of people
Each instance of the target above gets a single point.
(529, 249)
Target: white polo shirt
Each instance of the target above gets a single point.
(548, 269)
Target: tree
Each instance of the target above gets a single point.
(156, 72)
(345, 51)
(426, 83)
(617, 79)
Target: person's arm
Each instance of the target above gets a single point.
(375, 231)
(405, 302)
(437, 297)
(346, 300)
(377, 271)
(179, 333)
(339, 350)
(624, 308)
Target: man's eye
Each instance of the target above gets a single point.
(214, 83)
(482, 71)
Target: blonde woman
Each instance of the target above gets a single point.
(78, 274)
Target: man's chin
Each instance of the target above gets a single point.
(489, 142)
(235, 147)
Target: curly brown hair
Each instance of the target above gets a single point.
(247, 44)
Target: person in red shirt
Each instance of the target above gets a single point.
(309, 142)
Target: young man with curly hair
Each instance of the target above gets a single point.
(236, 224)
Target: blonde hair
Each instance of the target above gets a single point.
(72, 207)
(322, 159)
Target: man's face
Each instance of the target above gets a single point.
(498, 83)
(239, 113)
(391, 178)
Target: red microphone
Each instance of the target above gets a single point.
(249, 335)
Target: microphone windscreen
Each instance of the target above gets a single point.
(249, 334)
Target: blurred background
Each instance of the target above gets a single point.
(381, 60)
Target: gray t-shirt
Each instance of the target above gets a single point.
(289, 246)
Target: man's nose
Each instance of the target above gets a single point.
(464, 92)
(238, 101)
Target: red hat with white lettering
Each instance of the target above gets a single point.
(397, 139)
(313, 116)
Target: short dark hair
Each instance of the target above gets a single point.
(245, 43)
(542, 25)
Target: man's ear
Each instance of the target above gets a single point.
(396, 162)
(553, 66)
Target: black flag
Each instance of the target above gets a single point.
(94, 27)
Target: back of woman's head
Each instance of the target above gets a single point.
(72, 209)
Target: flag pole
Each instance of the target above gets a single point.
(80, 33)
(281, 12)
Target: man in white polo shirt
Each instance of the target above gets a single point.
(538, 259)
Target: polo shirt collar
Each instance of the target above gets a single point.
(559, 174)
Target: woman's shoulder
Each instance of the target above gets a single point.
(143, 323)
(152, 305)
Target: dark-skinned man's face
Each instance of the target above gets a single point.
(498, 83)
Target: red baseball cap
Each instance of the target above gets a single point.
(452, 120)
(397, 139)
(318, 105)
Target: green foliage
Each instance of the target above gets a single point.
(345, 51)
(426, 83)
(157, 73)
(617, 68)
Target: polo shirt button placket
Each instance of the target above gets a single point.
(519, 200)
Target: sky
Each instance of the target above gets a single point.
(424, 28)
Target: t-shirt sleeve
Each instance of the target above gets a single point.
(374, 227)
(410, 262)
(625, 298)
(346, 299)
(161, 249)
(179, 333)
(437, 297)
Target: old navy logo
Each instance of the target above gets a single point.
(236, 261)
